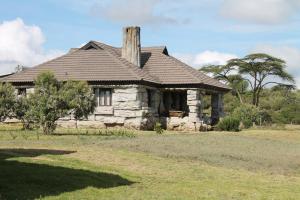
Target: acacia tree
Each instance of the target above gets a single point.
(223, 73)
(259, 70)
(262, 70)
(7, 100)
(80, 99)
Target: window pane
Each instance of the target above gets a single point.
(96, 95)
(108, 98)
(102, 98)
(105, 98)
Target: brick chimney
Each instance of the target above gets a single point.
(131, 49)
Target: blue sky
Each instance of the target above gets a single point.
(198, 32)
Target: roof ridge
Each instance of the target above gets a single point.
(141, 73)
(101, 45)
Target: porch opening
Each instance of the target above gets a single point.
(175, 103)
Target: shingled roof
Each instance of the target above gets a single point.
(98, 62)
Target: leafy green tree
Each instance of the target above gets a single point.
(261, 70)
(47, 105)
(258, 70)
(7, 100)
(21, 108)
(79, 98)
(223, 73)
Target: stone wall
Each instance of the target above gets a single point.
(129, 109)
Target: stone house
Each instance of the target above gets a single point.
(134, 86)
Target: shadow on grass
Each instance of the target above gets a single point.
(19, 180)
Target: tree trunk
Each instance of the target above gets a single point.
(254, 98)
(258, 97)
(240, 97)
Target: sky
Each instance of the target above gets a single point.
(198, 32)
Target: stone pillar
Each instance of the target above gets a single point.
(194, 104)
(217, 108)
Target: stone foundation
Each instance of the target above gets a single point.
(130, 109)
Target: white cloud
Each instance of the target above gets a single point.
(260, 11)
(290, 54)
(205, 58)
(21, 44)
(135, 12)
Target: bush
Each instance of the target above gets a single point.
(52, 100)
(158, 128)
(229, 124)
(7, 100)
(247, 114)
(265, 117)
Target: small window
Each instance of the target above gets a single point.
(21, 91)
(103, 96)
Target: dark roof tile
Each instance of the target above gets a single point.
(100, 62)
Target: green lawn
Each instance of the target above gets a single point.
(253, 164)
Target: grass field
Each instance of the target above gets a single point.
(252, 164)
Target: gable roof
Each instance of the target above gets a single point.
(96, 61)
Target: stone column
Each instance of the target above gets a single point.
(217, 108)
(194, 103)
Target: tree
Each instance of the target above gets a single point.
(223, 73)
(282, 103)
(47, 105)
(21, 107)
(258, 70)
(261, 70)
(80, 99)
(7, 100)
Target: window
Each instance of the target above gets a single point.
(103, 96)
(21, 91)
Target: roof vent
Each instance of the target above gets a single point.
(131, 49)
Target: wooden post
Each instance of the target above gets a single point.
(131, 49)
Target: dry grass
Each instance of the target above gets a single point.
(253, 164)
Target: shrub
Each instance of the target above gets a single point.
(7, 100)
(13, 135)
(79, 99)
(247, 114)
(25, 135)
(158, 128)
(265, 117)
(52, 100)
(229, 124)
(22, 105)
